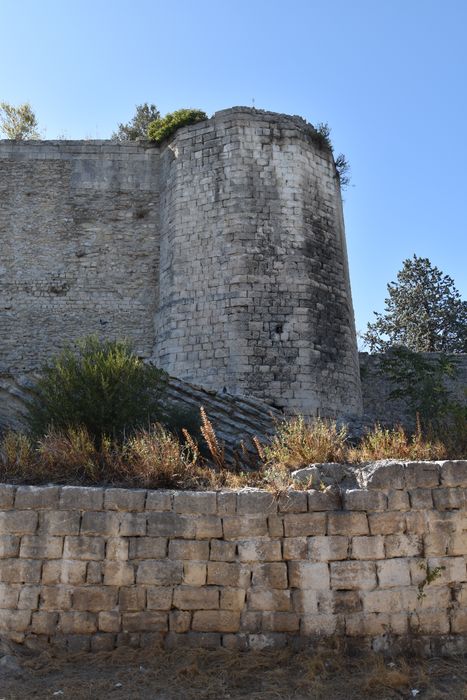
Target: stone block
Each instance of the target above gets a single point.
(232, 598)
(304, 574)
(346, 601)
(59, 522)
(196, 598)
(421, 499)
(77, 623)
(148, 547)
(450, 498)
(353, 575)
(255, 502)
(55, 598)
(7, 496)
(116, 549)
(390, 600)
(132, 500)
(416, 522)
(81, 498)
(189, 549)
(159, 573)
(132, 524)
(109, 621)
(179, 621)
(94, 598)
(324, 500)
(259, 550)
(365, 624)
(281, 622)
(36, 497)
(171, 525)
(293, 502)
(425, 475)
(222, 573)
(386, 523)
(41, 547)
(348, 524)
(457, 545)
(452, 570)
(100, 523)
(159, 598)
(199, 502)
(194, 573)
(275, 525)
(133, 598)
(159, 501)
(9, 546)
(222, 551)
(94, 572)
(20, 570)
(82, 547)
(361, 500)
(239, 527)
(398, 500)
(393, 573)
(14, 620)
(328, 548)
(403, 545)
(215, 621)
(226, 503)
(43, 622)
(459, 622)
(436, 544)
(318, 625)
(207, 526)
(454, 473)
(272, 575)
(304, 524)
(18, 522)
(305, 601)
(295, 548)
(118, 573)
(63, 571)
(8, 596)
(267, 599)
(368, 547)
(380, 475)
(429, 622)
(146, 621)
(29, 598)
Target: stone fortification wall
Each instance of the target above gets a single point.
(254, 288)
(79, 247)
(249, 292)
(382, 565)
(377, 387)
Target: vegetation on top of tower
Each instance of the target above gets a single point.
(160, 129)
(322, 137)
(137, 128)
(18, 122)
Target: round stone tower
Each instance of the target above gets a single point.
(254, 292)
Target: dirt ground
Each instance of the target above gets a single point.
(194, 674)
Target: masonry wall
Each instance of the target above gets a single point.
(380, 565)
(253, 249)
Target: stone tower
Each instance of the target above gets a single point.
(254, 284)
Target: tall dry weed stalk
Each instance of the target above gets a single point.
(216, 449)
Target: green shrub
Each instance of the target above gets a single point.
(161, 129)
(101, 386)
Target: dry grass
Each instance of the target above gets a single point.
(326, 673)
(155, 458)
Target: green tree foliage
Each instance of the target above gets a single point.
(137, 128)
(102, 386)
(424, 312)
(161, 129)
(18, 122)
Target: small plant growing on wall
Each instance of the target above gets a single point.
(161, 129)
(102, 386)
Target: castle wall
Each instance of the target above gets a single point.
(79, 226)
(254, 289)
(383, 565)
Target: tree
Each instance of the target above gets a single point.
(18, 122)
(424, 312)
(137, 128)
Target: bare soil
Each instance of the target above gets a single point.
(194, 674)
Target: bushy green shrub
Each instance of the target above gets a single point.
(161, 129)
(99, 385)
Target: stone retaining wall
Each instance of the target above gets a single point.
(93, 568)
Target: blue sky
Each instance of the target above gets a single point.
(390, 78)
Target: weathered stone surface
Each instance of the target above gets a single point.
(37, 497)
(59, 522)
(201, 502)
(124, 499)
(83, 547)
(304, 524)
(228, 574)
(222, 551)
(159, 573)
(353, 575)
(100, 523)
(259, 550)
(368, 547)
(148, 547)
(304, 574)
(347, 524)
(118, 573)
(188, 549)
(193, 598)
(17, 522)
(194, 573)
(328, 548)
(239, 527)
